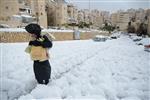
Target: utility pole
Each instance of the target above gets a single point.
(89, 14)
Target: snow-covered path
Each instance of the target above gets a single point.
(111, 70)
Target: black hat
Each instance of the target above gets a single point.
(33, 29)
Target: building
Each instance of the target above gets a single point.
(72, 14)
(24, 7)
(38, 8)
(80, 16)
(8, 8)
(86, 13)
(123, 20)
(140, 14)
(113, 18)
(105, 15)
(61, 14)
(70, 10)
(76, 14)
(25, 13)
(96, 18)
(51, 13)
(132, 13)
(22, 12)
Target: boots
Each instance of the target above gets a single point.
(43, 81)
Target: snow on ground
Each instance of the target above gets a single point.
(23, 30)
(117, 69)
(48, 30)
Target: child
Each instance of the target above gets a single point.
(38, 51)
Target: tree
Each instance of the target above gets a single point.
(66, 25)
(108, 27)
(142, 30)
(130, 28)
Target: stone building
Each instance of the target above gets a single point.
(61, 14)
(51, 13)
(8, 8)
(113, 18)
(123, 20)
(22, 12)
(72, 14)
(80, 16)
(38, 8)
(96, 18)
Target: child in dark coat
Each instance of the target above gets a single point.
(41, 66)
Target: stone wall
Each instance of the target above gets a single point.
(10, 37)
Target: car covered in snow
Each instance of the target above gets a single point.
(100, 38)
(115, 35)
(147, 48)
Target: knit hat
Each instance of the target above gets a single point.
(33, 29)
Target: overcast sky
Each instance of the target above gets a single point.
(111, 5)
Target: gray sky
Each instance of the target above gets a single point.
(111, 5)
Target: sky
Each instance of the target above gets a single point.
(110, 5)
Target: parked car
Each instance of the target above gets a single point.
(100, 38)
(115, 35)
(147, 48)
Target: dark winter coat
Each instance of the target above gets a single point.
(45, 44)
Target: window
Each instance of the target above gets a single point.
(20, 1)
(6, 7)
(69, 11)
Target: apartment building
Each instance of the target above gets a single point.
(96, 18)
(51, 12)
(140, 14)
(8, 8)
(113, 18)
(76, 14)
(38, 8)
(132, 13)
(70, 10)
(72, 14)
(123, 20)
(86, 13)
(106, 16)
(61, 14)
(22, 12)
(24, 7)
(80, 16)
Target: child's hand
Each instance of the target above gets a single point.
(35, 43)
